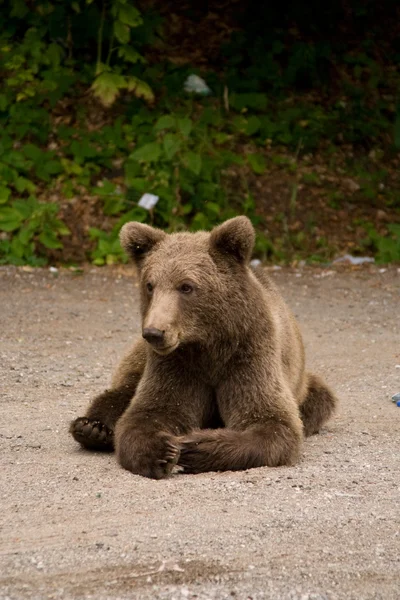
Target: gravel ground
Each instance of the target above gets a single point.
(75, 525)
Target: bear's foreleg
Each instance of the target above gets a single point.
(270, 444)
(95, 431)
(165, 406)
(262, 427)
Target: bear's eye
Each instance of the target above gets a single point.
(149, 287)
(186, 288)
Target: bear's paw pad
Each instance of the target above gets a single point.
(92, 434)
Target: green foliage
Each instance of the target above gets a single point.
(28, 229)
(177, 159)
(180, 159)
(108, 249)
(273, 90)
(41, 47)
(386, 247)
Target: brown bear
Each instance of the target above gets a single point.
(218, 381)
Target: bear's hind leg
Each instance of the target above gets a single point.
(95, 431)
(318, 406)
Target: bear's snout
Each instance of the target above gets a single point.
(154, 336)
(163, 342)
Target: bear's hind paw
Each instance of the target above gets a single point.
(92, 434)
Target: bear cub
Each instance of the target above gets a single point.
(218, 381)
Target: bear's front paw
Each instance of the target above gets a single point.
(151, 455)
(92, 434)
(199, 451)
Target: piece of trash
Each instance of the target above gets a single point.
(354, 260)
(256, 262)
(148, 201)
(396, 398)
(196, 85)
(53, 269)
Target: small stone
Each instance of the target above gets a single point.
(351, 185)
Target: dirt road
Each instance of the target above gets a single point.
(76, 525)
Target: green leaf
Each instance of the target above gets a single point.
(26, 207)
(138, 184)
(193, 162)
(140, 88)
(19, 9)
(257, 163)
(212, 209)
(148, 153)
(3, 102)
(129, 15)
(4, 194)
(49, 239)
(130, 54)
(200, 221)
(185, 126)
(26, 233)
(255, 101)
(23, 184)
(171, 144)
(33, 152)
(63, 229)
(253, 125)
(106, 87)
(10, 219)
(122, 32)
(18, 247)
(164, 122)
(107, 188)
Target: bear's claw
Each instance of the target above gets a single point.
(170, 459)
(92, 434)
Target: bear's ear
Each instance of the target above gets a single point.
(235, 238)
(138, 239)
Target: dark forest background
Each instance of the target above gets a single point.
(296, 124)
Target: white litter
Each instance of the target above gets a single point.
(53, 269)
(255, 263)
(354, 260)
(196, 85)
(148, 201)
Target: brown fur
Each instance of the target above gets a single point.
(220, 383)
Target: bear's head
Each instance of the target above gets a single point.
(193, 285)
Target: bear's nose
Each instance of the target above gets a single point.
(153, 335)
